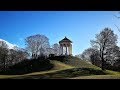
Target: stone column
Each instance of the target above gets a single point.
(66, 49)
(62, 49)
(70, 49)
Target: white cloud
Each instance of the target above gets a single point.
(10, 45)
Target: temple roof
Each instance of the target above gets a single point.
(65, 40)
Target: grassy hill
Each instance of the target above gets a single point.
(28, 66)
(109, 75)
(69, 68)
(58, 66)
(76, 62)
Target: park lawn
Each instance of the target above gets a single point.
(71, 73)
(76, 62)
(98, 77)
(70, 70)
(109, 75)
(64, 74)
(58, 66)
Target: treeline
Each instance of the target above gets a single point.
(38, 45)
(37, 49)
(9, 57)
(104, 51)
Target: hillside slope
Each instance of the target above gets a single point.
(76, 62)
(58, 66)
(62, 71)
(76, 69)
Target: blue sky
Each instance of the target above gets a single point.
(79, 26)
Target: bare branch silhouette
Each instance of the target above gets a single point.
(118, 28)
(116, 16)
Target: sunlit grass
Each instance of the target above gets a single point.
(58, 66)
(98, 77)
(75, 69)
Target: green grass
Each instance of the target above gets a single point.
(59, 74)
(76, 62)
(108, 75)
(58, 66)
(98, 77)
(74, 69)
(28, 66)
(60, 71)
(68, 74)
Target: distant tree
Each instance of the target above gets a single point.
(112, 55)
(12, 57)
(21, 55)
(105, 40)
(92, 55)
(3, 54)
(3, 44)
(81, 56)
(56, 48)
(50, 51)
(37, 44)
(16, 56)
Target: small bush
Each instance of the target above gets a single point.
(58, 58)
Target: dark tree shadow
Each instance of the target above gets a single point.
(29, 66)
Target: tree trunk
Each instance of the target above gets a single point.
(4, 64)
(103, 65)
(102, 59)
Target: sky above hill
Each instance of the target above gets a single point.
(79, 26)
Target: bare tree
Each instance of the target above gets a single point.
(12, 56)
(21, 55)
(104, 40)
(37, 44)
(50, 51)
(91, 55)
(112, 55)
(118, 17)
(56, 48)
(16, 56)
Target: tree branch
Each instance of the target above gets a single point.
(118, 28)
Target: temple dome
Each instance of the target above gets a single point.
(65, 40)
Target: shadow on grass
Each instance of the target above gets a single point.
(64, 74)
(28, 66)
